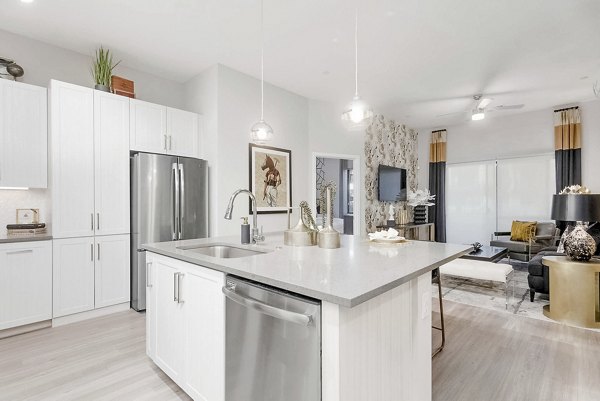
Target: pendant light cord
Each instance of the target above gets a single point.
(262, 64)
(356, 51)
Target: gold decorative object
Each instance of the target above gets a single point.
(305, 232)
(328, 237)
(575, 190)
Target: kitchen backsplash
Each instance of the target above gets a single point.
(11, 200)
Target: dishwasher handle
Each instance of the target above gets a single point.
(262, 307)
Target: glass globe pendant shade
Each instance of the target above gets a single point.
(358, 115)
(261, 132)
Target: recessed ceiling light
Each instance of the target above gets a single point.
(477, 115)
(335, 40)
(26, 1)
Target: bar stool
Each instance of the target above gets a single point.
(436, 279)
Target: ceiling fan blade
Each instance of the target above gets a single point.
(483, 103)
(510, 106)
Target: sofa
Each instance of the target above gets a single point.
(546, 234)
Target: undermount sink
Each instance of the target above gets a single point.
(222, 251)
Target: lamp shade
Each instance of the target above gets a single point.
(579, 207)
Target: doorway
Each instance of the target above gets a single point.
(344, 171)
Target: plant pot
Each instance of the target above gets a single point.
(103, 88)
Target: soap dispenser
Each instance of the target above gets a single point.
(245, 231)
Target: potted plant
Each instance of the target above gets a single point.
(102, 69)
(419, 200)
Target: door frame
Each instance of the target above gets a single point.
(358, 194)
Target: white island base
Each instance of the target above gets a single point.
(379, 350)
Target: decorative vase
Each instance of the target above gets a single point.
(328, 237)
(579, 245)
(420, 214)
(103, 88)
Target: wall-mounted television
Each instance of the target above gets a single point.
(392, 184)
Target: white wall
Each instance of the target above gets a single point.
(228, 134)
(43, 62)
(516, 135)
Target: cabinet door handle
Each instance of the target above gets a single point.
(175, 289)
(170, 142)
(21, 251)
(179, 277)
(148, 264)
(97, 221)
(92, 252)
(165, 142)
(92, 220)
(98, 256)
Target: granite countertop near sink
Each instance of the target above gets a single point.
(5, 239)
(354, 273)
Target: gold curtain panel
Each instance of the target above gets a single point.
(437, 148)
(567, 129)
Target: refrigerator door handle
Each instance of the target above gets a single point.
(181, 200)
(175, 177)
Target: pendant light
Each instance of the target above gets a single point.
(261, 132)
(358, 114)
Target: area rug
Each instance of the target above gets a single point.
(488, 295)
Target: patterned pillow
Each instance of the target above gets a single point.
(522, 230)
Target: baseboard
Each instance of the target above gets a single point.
(15, 331)
(78, 317)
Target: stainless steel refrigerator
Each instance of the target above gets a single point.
(169, 202)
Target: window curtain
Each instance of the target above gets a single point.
(567, 145)
(437, 183)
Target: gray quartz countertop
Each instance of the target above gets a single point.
(4, 239)
(354, 273)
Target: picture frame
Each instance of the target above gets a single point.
(28, 216)
(270, 173)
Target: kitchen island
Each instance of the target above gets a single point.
(375, 326)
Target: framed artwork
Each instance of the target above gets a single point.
(28, 216)
(270, 178)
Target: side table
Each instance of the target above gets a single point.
(574, 291)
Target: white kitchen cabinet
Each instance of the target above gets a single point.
(23, 135)
(111, 158)
(185, 312)
(73, 276)
(148, 126)
(111, 270)
(25, 283)
(160, 129)
(182, 133)
(90, 161)
(72, 153)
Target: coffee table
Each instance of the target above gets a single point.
(488, 254)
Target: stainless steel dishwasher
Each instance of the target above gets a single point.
(273, 344)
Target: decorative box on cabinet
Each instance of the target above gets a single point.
(25, 283)
(23, 135)
(185, 325)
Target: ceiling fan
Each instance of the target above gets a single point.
(480, 107)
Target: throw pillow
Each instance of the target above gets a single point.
(522, 230)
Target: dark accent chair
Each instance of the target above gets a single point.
(546, 234)
(538, 277)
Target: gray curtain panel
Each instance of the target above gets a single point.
(567, 145)
(437, 183)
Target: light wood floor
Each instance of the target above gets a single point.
(99, 359)
(491, 355)
(488, 356)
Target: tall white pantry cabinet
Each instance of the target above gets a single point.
(89, 152)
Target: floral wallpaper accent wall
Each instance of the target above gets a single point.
(392, 144)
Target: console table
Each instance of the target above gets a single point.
(412, 230)
(574, 291)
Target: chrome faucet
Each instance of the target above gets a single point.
(256, 235)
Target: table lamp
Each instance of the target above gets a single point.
(581, 208)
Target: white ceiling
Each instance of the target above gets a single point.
(418, 58)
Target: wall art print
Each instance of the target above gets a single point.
(270, 178)
(392, 144)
